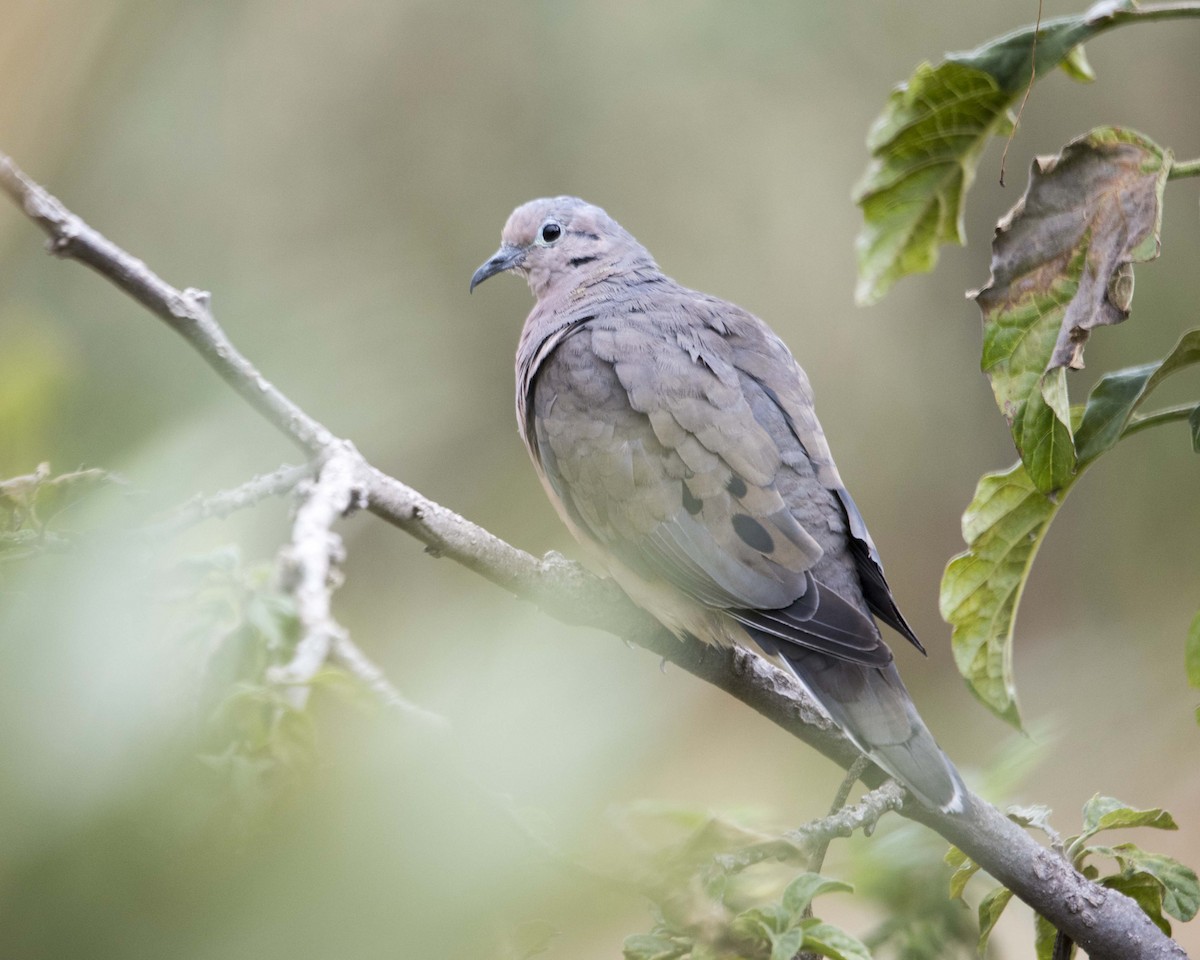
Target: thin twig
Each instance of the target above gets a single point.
(857, 769)
(223, 503)
(845, 820)
(1025, 99)
(347, 654)
(816, 862)
(1105, 923)
(187, 312)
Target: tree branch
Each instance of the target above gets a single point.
(310, 567)
(1105, 923)
(223, 503)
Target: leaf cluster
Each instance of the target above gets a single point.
(725, 890)
(34, 508)
(1062, 265)
(774, 931)
(1159, 884)
(254, 737)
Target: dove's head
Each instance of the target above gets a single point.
(557, 242)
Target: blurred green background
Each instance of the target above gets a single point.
(333, 172)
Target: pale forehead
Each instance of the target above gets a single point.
(570, 212)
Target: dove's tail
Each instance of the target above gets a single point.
(874, 709)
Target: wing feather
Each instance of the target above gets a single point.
(695, 459)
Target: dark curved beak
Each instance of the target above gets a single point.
(503, 259)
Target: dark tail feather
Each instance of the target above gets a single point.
(876, 712)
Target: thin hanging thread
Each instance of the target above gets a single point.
(1025, 99)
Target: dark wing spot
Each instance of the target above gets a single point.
(736, 487)
(753, 533)
(580, 261)
(691, 503)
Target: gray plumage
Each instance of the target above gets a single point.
(676, 436)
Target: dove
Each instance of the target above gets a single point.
(676, 436)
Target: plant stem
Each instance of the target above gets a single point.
(1187, 168)
(1159, 11)
(1166, 415)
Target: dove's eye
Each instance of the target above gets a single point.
(550, 232)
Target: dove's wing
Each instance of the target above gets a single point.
(680, 437)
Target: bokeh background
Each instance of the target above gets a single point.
(333, 172)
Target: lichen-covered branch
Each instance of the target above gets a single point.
(1105, 923)
(310, 566)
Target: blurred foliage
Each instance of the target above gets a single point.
(32, 508)
(333, 173)
(252, 733)
(34, 368)
(721, 888)
(901, 872)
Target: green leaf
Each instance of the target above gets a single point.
(925, 147)
(1194, 423)
(1009, 516)
(1003, 526)
(964, 869)
(787, 944)
(831, 941)
(1192, 652)
(67, 489)
(37, 498)
(1117, 395)
(1145, 891)
(1010, 58)
(1181, 888)
(647, 946)
(990, 909)
(533, 937)
(1044, 935)
(801, 891)
(762, 923)
(1108, 813)
(273, 615)
(1075, 65)
(1035, 815)
(1046, 444)
(222, 562)
(926, 144)
(1060, 267)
